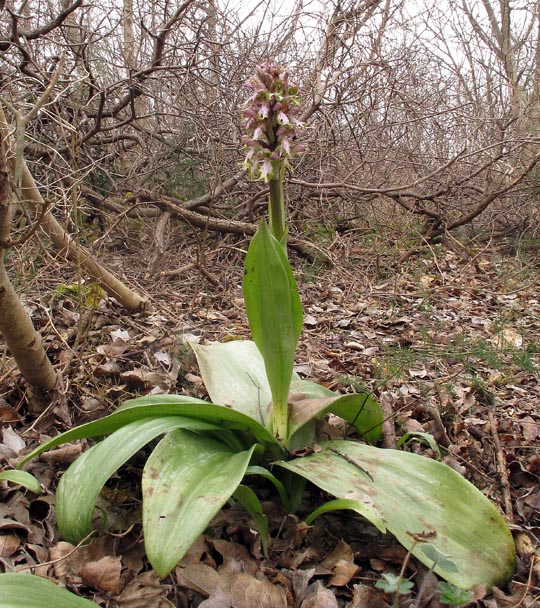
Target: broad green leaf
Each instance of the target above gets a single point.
(234, 375)
(415, 494)
(248, 499)
(275, 316)
(157, 406)
(309, 389)
(21, 478)
(81, 484)
(361, 504)
(361, 410)
(28, 591)
(186, 481)
(195, 408)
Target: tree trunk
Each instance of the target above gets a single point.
(25, 345)
(16, 327)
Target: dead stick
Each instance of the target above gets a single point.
(388, 429)
(502, 469)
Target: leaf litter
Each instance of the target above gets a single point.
(450, 349)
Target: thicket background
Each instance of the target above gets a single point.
(422, 117)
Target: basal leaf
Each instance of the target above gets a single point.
(275, 316)
(361, 410)
(415, 495)
(22, 478)
(28, 591)
(234, 375)
(360, 504)
(248, 499)
(309, 389)
(186, 481)
(81, 484)
(262, 472)
(156, 406)
(427, 438)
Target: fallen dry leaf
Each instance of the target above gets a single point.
(7, 413)
(218, 600)
(60, 554)
(64, 455)
(531, 428)
(236, 558)
(300, 581)
(318, 596)
(341, 563)
(247, 591)
(141, 377)
(12, 440)
(103, 574)
(367, 597)
(342, 573)
(9, 543)
(200, 578)
(144, 591)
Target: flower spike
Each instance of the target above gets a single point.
(270, 122)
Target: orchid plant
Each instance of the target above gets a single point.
(262, 416)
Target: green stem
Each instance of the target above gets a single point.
(280, 420)
(276, 206)
(278, 228)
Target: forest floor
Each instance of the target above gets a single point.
(449, 343)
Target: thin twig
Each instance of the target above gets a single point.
(60, 559)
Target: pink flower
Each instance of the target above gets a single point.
(266, 169)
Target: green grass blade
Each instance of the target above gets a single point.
(186, 481)
(427, 438)
(415, 494)
(262, 472)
